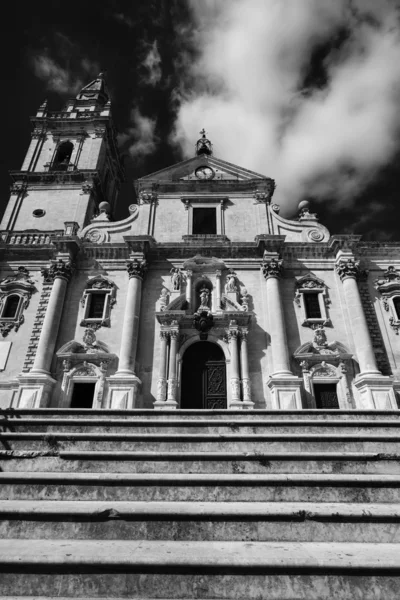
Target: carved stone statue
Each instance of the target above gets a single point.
(204, 297)
(231, 279)
(163, 299)
(176, 279)
(320, 339)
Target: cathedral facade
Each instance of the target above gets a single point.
(203, 297)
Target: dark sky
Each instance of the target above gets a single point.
(116, 36)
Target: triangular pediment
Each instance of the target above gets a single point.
(215, 170)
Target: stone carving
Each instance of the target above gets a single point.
(231, 280)
(147, 197)
(272, 268)
(394, 324)
(59, 268)
(320, 339)
(90, 345)
(67, 365)
(246, 390)
(276, 208)
(162, 389)
(204, 298)
(164, 297)
(7, 326)
(86, 369)
(177, 277)
(391, 275)
(136, 268)
(324, 370)
(245, 299)
(348, 268)
(305, 365)
(203, 322)
(235, 388)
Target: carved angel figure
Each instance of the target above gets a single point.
(204, 295)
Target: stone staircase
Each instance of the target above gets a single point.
(200, 505)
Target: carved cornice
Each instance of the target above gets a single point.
(59, 268)
(390, 280)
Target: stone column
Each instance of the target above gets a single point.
(35, 387)
(244, 363)
(375, 390)
(162, 379)
(189, 275)
(218, 275)
(233, 336)
(124, 385)
(60, 273)
(130, 330)
(172, 378)
(284, 386)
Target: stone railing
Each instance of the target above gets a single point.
(23, 238)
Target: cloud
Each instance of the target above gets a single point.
(152, 65)
(122, 18)
(304, 92)
(63, 80)
(140, 139)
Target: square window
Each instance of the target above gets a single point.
(96, 306)
(312, 307)
(204, 221)
(10, 309)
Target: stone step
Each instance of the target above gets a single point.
(201, 426)
(199, 462)
(195, 521)
(233, 442)
(200, 487)
(163, 415)
(225, 570)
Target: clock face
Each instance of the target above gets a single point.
(204, 173)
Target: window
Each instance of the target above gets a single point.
(10, 309)
(39, 212)
(326, 395)
(396, 304)
(96, 305)
(311, 304)
(97, 300)
(311, 296)
(204, 221)
(83, 395)
(62, 157)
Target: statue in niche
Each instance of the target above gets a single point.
(204, 297)
(176, 279)
(231, 279)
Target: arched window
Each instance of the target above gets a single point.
(10, 308)
(63, 156)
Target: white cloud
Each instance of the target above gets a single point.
(152, 65)
(140, 139)
(246, 89)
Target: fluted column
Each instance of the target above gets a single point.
(162, 380)
(172, 380)
(244, 363)
(272, 269)
(348, 270)
(233, 335)
(60, 273)
(127, 356)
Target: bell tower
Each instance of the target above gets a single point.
(71, 166)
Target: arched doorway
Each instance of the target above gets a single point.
(203, 377)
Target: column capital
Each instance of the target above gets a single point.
(348, 266)
(164, 335)
(136, 268)
(58, 269)
(243, 333)
(272, 265)
(147, 197)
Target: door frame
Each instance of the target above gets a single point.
(225, 349)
